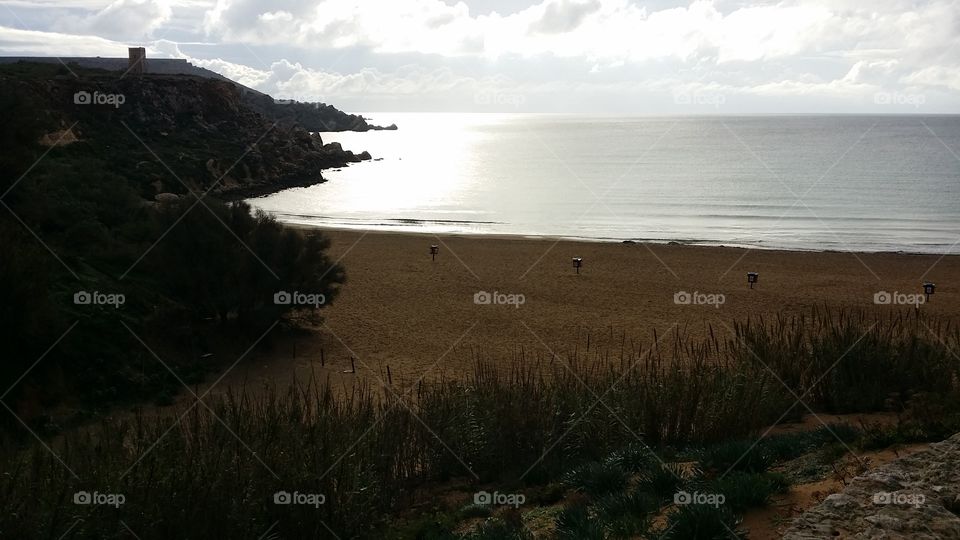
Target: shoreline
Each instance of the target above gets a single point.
(602, 240)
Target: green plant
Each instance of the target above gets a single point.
(575, 523)
(633, 459)
(498, 422)
(597, 479)
(702, 522)
(747, 456)
(498, 529)
(436, 526)
(662, 481)
(626, 515)
(476, 510)
(743, 490)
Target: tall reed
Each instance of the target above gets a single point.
(211, 471)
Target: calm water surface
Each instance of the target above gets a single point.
(799, 182)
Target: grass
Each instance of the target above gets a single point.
(596, 479)
(576, 523)
(744, 491)
(744, 455)
(702, 522)
(370, 455)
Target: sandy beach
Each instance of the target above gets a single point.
(419, 317)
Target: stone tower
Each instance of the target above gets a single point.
(137, 60)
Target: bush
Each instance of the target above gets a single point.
(745, 490)
(662, 481)
(702, 522)
(498, 529)
(497, 422)
(475, 511)
(575, 523)
(746, 456)
(597, 479)
(633, 459)
(247, 260)
(788, 446)
(627, 515)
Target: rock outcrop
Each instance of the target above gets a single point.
(172, 133)
(916, 497)
(309, 116)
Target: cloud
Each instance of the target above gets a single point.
(946, 77)
(16, 42)
(122, 19)
(564, 15)
(601, 53)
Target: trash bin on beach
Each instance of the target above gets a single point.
(928, 289)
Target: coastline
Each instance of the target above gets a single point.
(339, 228)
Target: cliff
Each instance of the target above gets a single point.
(170, 133)
(309, 116)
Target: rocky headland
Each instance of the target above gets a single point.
(177, 134)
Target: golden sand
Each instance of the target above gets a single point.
(401, 309)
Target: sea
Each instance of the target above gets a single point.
(830, 183)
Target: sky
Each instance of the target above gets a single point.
(582, 56)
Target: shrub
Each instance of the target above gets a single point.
(747, 456)
(597, 479)
(702, 522)
(498, 529)
(745, 490)
(475, 511)
(633, 459)
(626, 515)
(575, 523)
(662, 481)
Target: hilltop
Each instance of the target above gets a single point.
(120, 188)
(173, 132)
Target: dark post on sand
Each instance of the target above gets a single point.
(928, 289)
(434, 249)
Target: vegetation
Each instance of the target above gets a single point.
(182, 280)
(520, 431)
(196, 273)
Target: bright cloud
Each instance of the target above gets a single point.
(546, 54)
(122, 19)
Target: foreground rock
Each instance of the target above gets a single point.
(916, 496)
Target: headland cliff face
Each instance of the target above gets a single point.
(171, 134)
